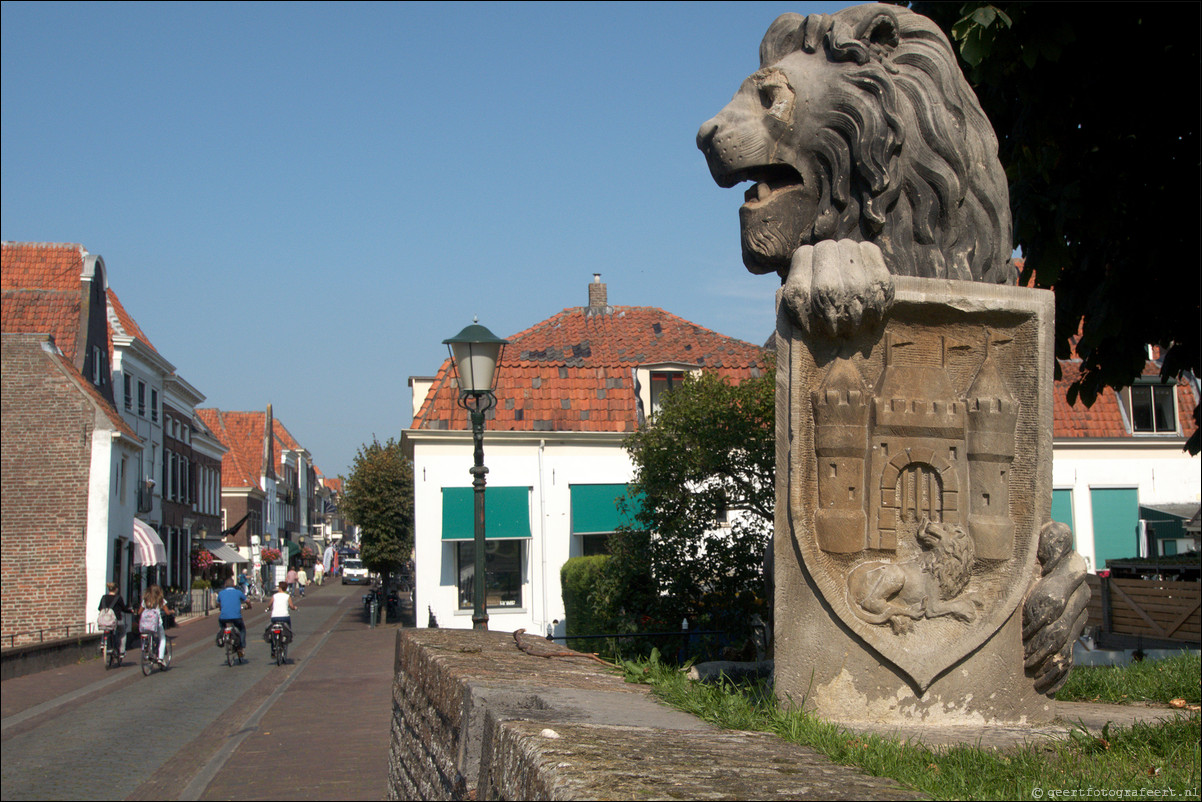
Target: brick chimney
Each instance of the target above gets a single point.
(597, 297)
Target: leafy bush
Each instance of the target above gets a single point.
(580, 578)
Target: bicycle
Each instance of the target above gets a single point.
(279, 643)
(150, 651)
(110, 651)
(230, 640)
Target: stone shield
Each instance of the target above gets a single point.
(915, 476)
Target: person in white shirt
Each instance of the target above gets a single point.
(281, 605)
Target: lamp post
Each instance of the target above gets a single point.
(475, 352)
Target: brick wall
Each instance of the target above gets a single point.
(46, 426)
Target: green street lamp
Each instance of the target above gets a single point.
(475, 352)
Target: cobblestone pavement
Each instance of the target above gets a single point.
(207, 730)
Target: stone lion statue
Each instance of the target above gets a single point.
(870, 156)
(926, 586)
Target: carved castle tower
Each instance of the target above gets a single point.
(992, 419)
(841, 407)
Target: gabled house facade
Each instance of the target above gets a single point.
(1121, 479)
(69, 460)
(569, 391)
(268, 495)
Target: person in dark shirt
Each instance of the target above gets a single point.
(112, 600)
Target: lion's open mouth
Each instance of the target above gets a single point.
(769, 182)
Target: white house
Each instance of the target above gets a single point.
(569, 390)
(1119, 469)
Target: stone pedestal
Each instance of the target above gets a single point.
(914, 466)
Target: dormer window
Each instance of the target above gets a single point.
(663, 381)
(1153, 408)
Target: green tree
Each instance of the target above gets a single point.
(1096, 112)
(378, 497)
(708, 452)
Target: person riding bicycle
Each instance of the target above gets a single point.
(281, 603)
(232, 601)
(150, 617)
(244, 581)
(112, 600)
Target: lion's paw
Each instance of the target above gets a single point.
(838, 288)
(1054, 612)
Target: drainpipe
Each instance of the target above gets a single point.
(542, 531)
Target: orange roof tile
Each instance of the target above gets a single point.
(1106, 419)
(41, 290)
(575, 371)
(242, 434)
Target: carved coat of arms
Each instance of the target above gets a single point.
(912, 510)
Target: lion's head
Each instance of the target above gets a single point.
(860, 126)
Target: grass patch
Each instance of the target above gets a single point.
(1176, 677)
(1160, 761)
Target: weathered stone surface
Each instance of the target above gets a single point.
(476, 717)
(896, 445)
(534, 761)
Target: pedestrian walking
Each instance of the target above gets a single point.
(318, 573)
(290, 579)
(302, 579)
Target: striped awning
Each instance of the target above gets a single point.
(148, 547)
(225, 554)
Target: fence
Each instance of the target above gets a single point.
(39, 635)
(1146, 608)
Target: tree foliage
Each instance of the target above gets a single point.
(378, 498)
(1096, 112)
(709, 451)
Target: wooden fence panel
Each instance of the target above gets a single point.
(1165, 610)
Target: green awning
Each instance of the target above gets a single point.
(595, 509)
(506, 513)
(292, 547)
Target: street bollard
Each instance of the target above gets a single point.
(375, 611)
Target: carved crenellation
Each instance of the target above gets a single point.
(841, 411)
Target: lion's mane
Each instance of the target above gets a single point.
(908, 159)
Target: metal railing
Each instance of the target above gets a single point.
(692, 639)
(80, 629)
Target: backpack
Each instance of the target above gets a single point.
(106, 619)
(148, 622)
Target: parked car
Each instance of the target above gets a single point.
(354, 573)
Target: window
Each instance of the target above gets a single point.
(154, 404)
(663, 381)
(1153, 408)
(129, 392)
(503, 582)
(142, 399)
(597, 511)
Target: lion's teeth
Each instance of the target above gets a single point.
(763, 190)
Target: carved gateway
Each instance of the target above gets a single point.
(916, 449)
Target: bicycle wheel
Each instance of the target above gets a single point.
(167, 655)
(147, 666)
(230, 653)
(105, 654)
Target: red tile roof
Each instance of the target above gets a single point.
(41, 290)
(242, 434)
(575, 371)
(1105, 419)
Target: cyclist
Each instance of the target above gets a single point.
(112, 600)
(281, 603)
(150, 617)
(232, 601)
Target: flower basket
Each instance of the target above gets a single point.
(269, 556)
(201, 559)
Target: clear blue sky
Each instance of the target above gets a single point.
(298, 203)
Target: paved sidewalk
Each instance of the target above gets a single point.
(327, 735)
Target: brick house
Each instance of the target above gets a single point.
(569, 390)
(68, 501)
